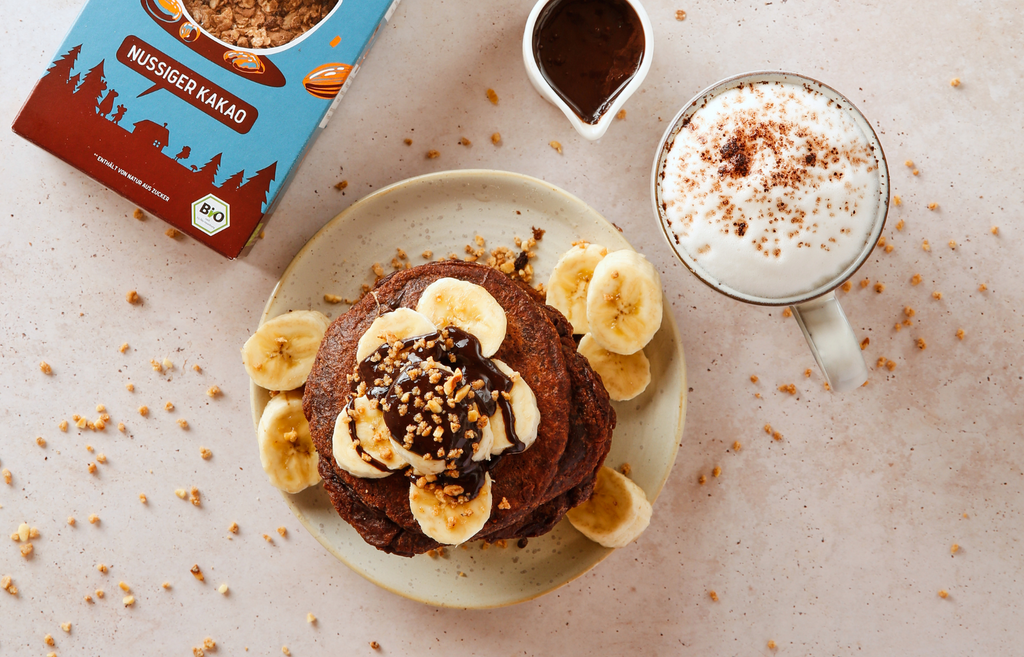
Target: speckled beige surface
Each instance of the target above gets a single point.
(835, 540)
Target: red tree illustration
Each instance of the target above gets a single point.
(92, 86)
(209, 170)
(234, 182)
(255, 189)
(61, 69)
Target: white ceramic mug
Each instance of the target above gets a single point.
(591, 131)
(821, 318)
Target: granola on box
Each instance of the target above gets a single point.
(200, 117)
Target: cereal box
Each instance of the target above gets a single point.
(200, 118)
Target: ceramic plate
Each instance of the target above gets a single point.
(443, 212)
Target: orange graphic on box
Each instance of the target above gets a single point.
(188, 32)
(327, 80)
(244, 61)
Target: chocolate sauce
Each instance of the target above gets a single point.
(588, 51)
(446, 371)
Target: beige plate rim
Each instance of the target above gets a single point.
(465, 175)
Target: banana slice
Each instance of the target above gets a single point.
(346, 455)
(450, 525)
(567, 286)
(524, 412)
(286, 448)
(395, 325)
(483, 450)
(279, 355)
(451, 302)
(617, 512)
(624, 377)
(624, 302)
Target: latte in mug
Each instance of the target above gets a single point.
(771, 188)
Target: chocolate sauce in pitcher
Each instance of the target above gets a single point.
(588, 51)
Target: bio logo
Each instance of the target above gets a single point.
(210, 214)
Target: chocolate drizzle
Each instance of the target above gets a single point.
(428, 388)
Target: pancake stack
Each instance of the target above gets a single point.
(538, 485)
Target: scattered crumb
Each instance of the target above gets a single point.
(222, 589)
(496, 138)
(680, 15)
(915, 172)
(864, 283)
(66, 627)
(926, 246)
(7, 476)
(776, 436)
(427, 255)
(172, 233)
(139, 214)
(786, 312)
(45, 368)
(166, 585)
(915, 279)
(943, 593)
(284, 649)
(102, 568)
(890, 365)
(209, 643)
(407, 141)
(465, 142)
(101, 458)
(71, 520)
(168, 406)
(717, 471)
(120, 427)
(921, 344)
(864, 343)
(157, 367)
(63, 426)
(124, 587)
(899, 224)
(771, 645)
(955, 82)
(753, 378)
(197, 573)
(48, 640)
(213, 391)
(881, 241)
(702, 480)
(737, 446)
(143, 498)
(847, 286)
(620, 115)
(205, 453)
(93, 518)
(143, 411)
(933, 206)
(995, 230)
(953, 549)
(896, 200)
(959, 334)
(556, 145)
(909, 163)
(433, 154)
(889, 248)
(182, 423)
(310, 618)
(266, 537)
(626, 469)
(807, 372)
(100, 593)
(504, 504)
(788, 387)
(128, 600)
(233, 528)
(92, 468)
(332, 298)
(283, 531)
(132, 297)
(194, 497)
(879, 287)
(937, 295)
(342, 185)
(982, 287)
(41, 441)
(26, 550)
(492, 96)
(375, 645)
(181, 493)
(908, 311)
(952, 244)
(197, 368)
(713, 595)
(130, 387)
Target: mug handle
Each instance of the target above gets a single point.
(832, 342)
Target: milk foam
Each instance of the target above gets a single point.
(771, 188)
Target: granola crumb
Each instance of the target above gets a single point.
(139, 214)
(7, 476)
(788, 387)
(899, 224)
(181, 493)
(879, 287)
(197, 572)
(496, 138)
(994, 230)
(864, 283)
(133, 297)
(45, 368)
(433, 154)
(92, 468)
(41, 441)
(952, 244)
(807, 372)
(121, 427)
(182, 423)
(165, 585)
(71, 520)
(504, 504)
(926, 246)
(332, 298)
(283, 531)
(896, 200)
(128, 600)
(63, 426)
(407, 141)
(881, 241)
(233, 528)
(890, 365)
(937, 295)
(864, 343)
(621, 115)
(26, 550)
(168, 406)
(776, 436)
(198, 652)
(626, 469)
(284, 650)
(716, 471)
(915, 279)
(205, 453)
(680, 15)
(143, 411)
(737, 446)
(157, 366)
(915, 172)
(197, 368)
(847, 286)
(771, 645)
(209, 643)
(753, 378)
(786, 312)
(933, 206)
(943, 593)
(427, 255)
(713, 596)
(465, 142)
(953, 549)
(909, 164)
(908, 311)
(194, 497)
(172, 233)
(66, 627)
(266, 537)
(375, 645)
(889, 248)
(556, 145)
(124, 587)
(982, 287)
(955, 82)
(130, 387)
(93, 518)
(921, 344)
(101, 458)
(100, 593)
(310, 618)
(827, 386)
(492, 96)
(48, 640)
(88, 599)
(342, 185)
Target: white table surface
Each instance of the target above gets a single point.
(835, 540)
